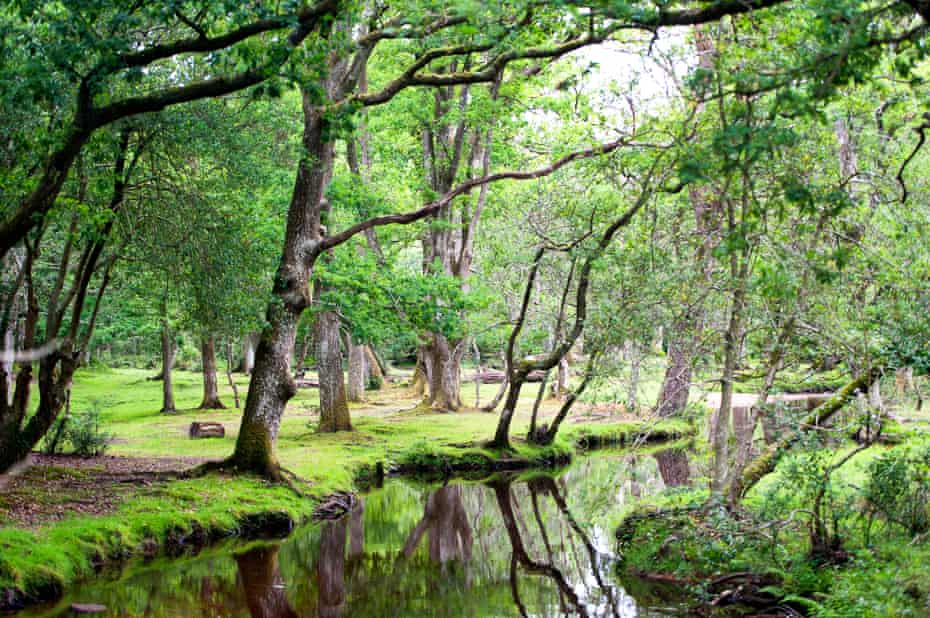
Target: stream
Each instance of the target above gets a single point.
(529, 545)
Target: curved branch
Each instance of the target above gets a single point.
(409, 217)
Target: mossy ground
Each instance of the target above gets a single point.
(390, 428)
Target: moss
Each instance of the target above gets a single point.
(624, 434)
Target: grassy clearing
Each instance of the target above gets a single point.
(390, 428)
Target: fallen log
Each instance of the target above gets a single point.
(206, 429)
(766, 462)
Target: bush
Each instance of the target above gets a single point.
(898, 488)
(84, 434)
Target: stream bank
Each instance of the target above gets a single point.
(165, 517)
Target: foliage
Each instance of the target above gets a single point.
(898, 487)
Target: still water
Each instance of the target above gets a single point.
(520, 546)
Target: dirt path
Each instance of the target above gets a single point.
(52, 487)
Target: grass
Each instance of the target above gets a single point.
(389, 429)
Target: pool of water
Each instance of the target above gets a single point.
(529, 545)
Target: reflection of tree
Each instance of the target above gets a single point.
(673, 466)
(264, 587)
(504, 497)
(450, 534)
(331, 565)
(357, 531)
(546, 485)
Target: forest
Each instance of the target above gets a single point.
(511, 308)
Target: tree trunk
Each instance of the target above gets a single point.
(334, 407)
(445, 358)
(358, 372)
(302, 354)
(560, 385)
(272, 384)
(720, 422)
(376, 368)
(676, 385)
(635, 358)
(502, 434)
(673, 466)
(420, 381)
(211, 394)
(229, 375)
(167, 363)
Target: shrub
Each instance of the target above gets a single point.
(84, 433)
(898, 488)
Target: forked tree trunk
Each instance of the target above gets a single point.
(358, 372)
(334, 407)
(211, 394)
(167, 363)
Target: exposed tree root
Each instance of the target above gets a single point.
(274, 473)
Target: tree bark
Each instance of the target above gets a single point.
(419, 383)
(676, 384)
(375, 369)
(211, 394)
(334, 407)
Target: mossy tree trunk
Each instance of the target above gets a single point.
(767, 461)
(272, 385)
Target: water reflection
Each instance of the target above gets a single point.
(511, 547)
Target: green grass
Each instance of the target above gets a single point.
(390, 428)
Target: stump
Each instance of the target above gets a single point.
(207, 430)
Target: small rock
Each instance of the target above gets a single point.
(87, 608)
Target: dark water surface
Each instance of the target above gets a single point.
(527, 546)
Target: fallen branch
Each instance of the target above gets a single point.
(766, 462)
